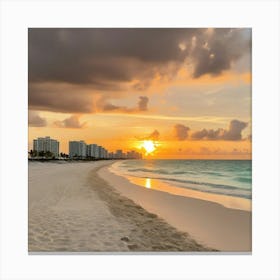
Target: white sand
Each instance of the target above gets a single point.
(208, 222)
(72, 209)
(65, 214)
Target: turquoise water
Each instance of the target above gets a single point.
(227, 177)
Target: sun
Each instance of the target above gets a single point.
(149, 146)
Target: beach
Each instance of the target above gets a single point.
(227, 229)
(73, 209)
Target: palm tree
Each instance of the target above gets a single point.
(49, 154)
(42, 154)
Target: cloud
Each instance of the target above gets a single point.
(141, 106)
(71, 122)
(98, 54)
(91, 55)
(233, 133)
(111, 107)
(34, 120)
(219, 50)
(117, 60)
(59, 98)
(180, 132)
(143, 103)
(209, 134)
(154, 135)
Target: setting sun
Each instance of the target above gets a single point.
(149, 146)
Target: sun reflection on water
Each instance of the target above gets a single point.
(148, 183)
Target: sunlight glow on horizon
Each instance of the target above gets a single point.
(149, 146)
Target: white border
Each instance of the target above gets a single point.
(262, 16)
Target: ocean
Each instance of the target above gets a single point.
(223, 177)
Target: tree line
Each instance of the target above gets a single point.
(47, 154)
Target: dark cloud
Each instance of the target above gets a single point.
(180, 132)
(233, 133)
(93, 55)
(218, 51)
(111, 107)
(107, 58)
(59, 99)
(71, 122)
(142, 106)
(34, 120)
(209, 134)
(90, 55)
(153, 136)
(143, 103)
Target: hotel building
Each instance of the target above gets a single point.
(46, 144)
(77, 149)
(80, 150)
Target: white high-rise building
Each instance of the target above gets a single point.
(81, 150)
(100, 152)
(54, 147)
(92, 150)
(46, 144)
(96, 151)
(38, 144)
(106, 154)
(77, 149)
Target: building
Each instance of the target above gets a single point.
(38, 144)
(134, 155)
(77, 149)
(80, 150)
(99, 151)
(92, 151)
(119, 154)
(106, 154)
(46, 144)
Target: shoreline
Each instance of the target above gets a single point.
(156, 184)
(224, 200)
(210, 223)
(146, 226)
(72, 209)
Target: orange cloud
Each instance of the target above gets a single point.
(71, 122)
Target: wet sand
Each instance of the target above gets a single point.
(210, 223)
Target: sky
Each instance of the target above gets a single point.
(186, 90)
